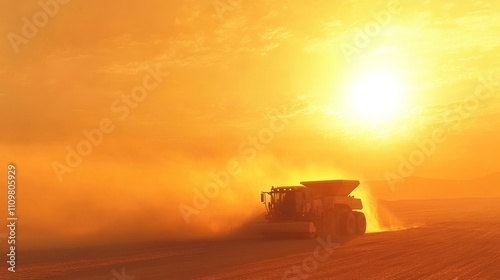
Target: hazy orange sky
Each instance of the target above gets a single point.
(228, 75)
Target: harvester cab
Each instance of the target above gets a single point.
(317, 207)
(285, 203)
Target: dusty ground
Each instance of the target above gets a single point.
(445, 239)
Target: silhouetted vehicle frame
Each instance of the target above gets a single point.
(314, 208)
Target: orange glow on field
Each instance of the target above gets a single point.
(265, 88)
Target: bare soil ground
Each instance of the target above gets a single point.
(445, 239)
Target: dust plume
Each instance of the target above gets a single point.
(109, 200)
(377, 219)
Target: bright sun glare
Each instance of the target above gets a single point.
(376, 96)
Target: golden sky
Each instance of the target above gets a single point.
(356, 84)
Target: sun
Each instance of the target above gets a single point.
(376, 96)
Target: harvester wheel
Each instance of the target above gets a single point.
(349, 223)
(360, 222)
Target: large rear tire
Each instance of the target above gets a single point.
(360, 222)
(349, 223)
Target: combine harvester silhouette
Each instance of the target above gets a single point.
(312, 209)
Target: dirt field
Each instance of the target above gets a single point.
(444, 239)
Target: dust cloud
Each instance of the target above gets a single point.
(113, 200)
(377, 219)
